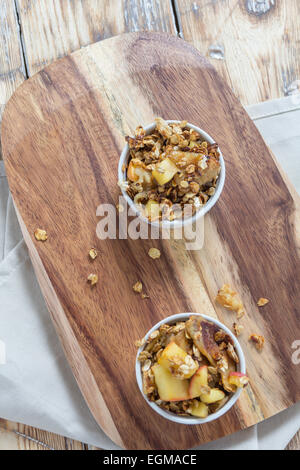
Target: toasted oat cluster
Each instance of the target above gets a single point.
(230, 299)
(258, 340)
(40, 235)
(170, 170)
(190, 368)
(261, 302)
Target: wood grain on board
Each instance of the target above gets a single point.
(59, 174)
(253, 44)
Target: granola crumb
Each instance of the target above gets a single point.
(93, 253)
(258, 340)
(93, 279)
(140, 342)
(146, 366)
(144, 296)
(40, 235)
(238, 329)
(154, 253)
(137, 287)
(232, 354)
(154, 334)
(261, 302)
(230, 299)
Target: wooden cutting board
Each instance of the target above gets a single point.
(62, 133)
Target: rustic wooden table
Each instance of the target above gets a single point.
(254, 45)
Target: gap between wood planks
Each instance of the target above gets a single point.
(176, 18)
(22, 43)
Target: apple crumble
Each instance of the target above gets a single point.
(169, 168)
(190, 368)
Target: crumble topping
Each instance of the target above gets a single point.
(186, 371)
(230, 299)
(170, 168)
(92, 279)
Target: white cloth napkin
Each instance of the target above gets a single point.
(37, 387)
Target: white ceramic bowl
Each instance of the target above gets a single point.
(200, 213)
(191, 419)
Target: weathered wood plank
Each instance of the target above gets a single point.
(14, 436)
(12, 69)
(52, 29)
(254, 45)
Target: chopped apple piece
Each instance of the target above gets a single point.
(198, 382)
(153, 209)
(131, 172)
(238, 379)
(138, 173)
(177, 361)
(202, 333)
(188, 157)
(214, 395)
(169, 387)
(164, 172)
(199, 409)
(172, 353)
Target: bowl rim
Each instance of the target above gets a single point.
(201, 212)
(185, 419)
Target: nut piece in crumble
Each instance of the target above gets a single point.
(261, 302)
(258, 340)
(238, 329)
(170, 168)
(154, 253)
(138, 287)
(93, 253)
(40, 235)
(185, 370)
(230, 299)
(92, 279)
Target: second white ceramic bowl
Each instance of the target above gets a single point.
(191, 419)
(200, 213)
